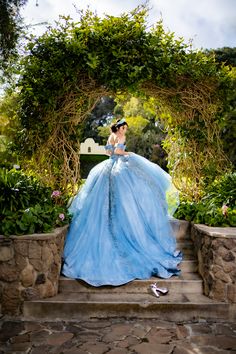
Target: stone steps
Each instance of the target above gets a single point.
(186, 283)
(173, 307)
(184, 302)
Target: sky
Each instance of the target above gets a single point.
(207, 23)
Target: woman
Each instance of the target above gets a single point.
(120, 228)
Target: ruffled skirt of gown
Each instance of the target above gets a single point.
(120, 228)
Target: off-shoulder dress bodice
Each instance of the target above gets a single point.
(111, 148)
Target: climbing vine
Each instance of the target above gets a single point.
(70, 67)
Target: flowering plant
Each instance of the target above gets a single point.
(27, 206)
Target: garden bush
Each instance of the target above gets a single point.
(217, 206)
(27, 206)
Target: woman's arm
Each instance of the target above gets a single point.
(119, 151)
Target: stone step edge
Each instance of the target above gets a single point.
(168, 311)
(79, 282)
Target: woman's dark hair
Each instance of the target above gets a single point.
(119, 123)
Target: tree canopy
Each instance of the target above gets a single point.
(71, 67)
(10, 27)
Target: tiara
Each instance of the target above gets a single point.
(120, 122)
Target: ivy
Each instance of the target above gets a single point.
(70, 67)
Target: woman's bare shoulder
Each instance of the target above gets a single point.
(112, 139)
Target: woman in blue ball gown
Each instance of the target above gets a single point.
(120, 230)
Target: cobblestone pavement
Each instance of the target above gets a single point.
(116, 336)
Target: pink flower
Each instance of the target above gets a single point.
(61, 216)
(224, 210)
(55, 194)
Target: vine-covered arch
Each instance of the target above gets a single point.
(71, 67)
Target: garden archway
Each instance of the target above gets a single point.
(70, 68)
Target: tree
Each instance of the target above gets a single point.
(69, 69)
(227, 56)
(10, 27)
(100, 116)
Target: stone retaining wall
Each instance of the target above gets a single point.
(29, 268)
(216, 251)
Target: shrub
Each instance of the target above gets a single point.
(217, 206)
(27, 206)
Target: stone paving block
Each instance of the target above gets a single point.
(183, 348)
(140, 330)
(224, 329)
(94, 348)
(212, 350)
(160, 336)
(20, 338)
(182, 331)
(32, 326)
(200, 328)
(128, 341)
(57, 339)
(220, 341)
(42, 349)
(117, 351)
(117, 332)
(97, 324)
(74, 350)
(55, 325)
(21, 347)
(39, 337)
(10, 329)
(153, 348)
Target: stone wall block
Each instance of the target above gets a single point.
(217, 260)
(215, 243)
(37, 264)
(46, 290)
(47, 256)
(30, 293)
(21, 261)
(30, 268)
(28, 276)
(233, 275)
(53, 248)
(232, 293)
(41, 279)
(21, 247)
(11, 299)
(6, 253)
(34, 250)
(222, 251)
(228, 267)
(230, 244)
(8, 272)
(223, 276)
(229, 257)
(218, 291)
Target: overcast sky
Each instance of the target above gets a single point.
(209, 23)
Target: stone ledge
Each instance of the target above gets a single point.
(29, 268)
(37, 237)
(224, 232)
(215, 248)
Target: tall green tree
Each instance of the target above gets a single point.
(10, 28)
(227, 56)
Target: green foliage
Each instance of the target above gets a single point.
(69, 69)
(87, 162)
(10, 30)
(225, 55)
(217, 206)
(27, 206)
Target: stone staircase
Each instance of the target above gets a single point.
(184, 302)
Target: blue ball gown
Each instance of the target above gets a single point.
(120, 230)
